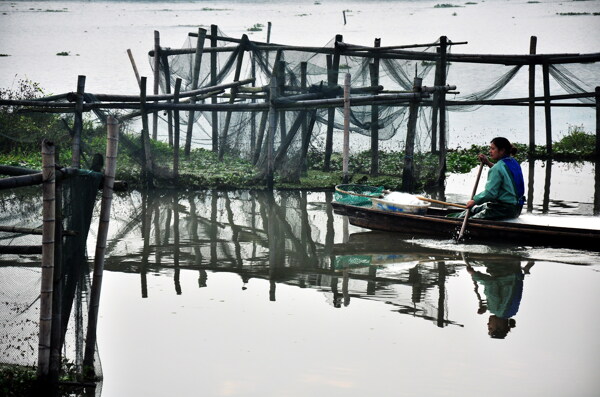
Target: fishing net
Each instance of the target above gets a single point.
(20, 274)
(359, 195)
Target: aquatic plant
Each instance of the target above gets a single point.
(257, 27)
(446, 5)
(63, 53)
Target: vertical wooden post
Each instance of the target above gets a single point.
(442, 109)
(530, 184)
(176, 136)
(134, 66)
(547, 108)
(408, 178)
(304, 126)
(280, 91)
(55, 343)
(253, 113)
(213, 82)
(435, 105)
(238, 69)
(48, 234)
(78, 123)
(597, 125)
(271, 131)
(147, 160)
(547, 182)
(156, 80)
(374, 71)
(167, 73)
(332, 80)
(107, 193)
(532, 51)
(346, 153)
(195, 79)
(269, 25)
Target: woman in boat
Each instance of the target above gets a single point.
(503, 196)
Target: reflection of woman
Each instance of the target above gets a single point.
(503, 195)
(503, 288)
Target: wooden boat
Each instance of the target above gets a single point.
(435, 223)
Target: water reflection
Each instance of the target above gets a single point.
(292, 238)
(502, 283)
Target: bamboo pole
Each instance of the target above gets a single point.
(253, 114)
(176, 137)
(48, 235)
(280, 92)
(597, 125)
(213, 82)
(346, 149)
(532, 51)
(195, 79)
(332, 80)
(374, 71)
(134, 66)
(56, 334)
(304, 126)
(147, 160)
(547, 111)
(156, 60)
(435, 105)
(78, 123)
(408, 178)
(271, 133)
(442, 115)
(167, 73)
(261, 134)
(107, 193)
(238, 70)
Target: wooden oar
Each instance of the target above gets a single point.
(464, 224)
(442, 202)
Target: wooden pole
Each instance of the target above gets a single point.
(48, 234)
(346, 152)
(269, 25)
(78, 123)
(532, 51)
(176, 136)
(195, 79)
(597, 126)
(260, 138)
(107, 193)
(530, 185)
(156, 80)
(442, 110)
(134, 66)
(468, 210)
(547, 183)
(332, 80)
(374, 72)
(271, 132)
(408, 178)
(147, 160)
(280, 92)
(56, 336)
(304, 126)
(213, 81)
(167, 73)
(253, 114)
(238, 70)
(547, 108)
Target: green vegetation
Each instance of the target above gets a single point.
(16, 380)
(4, 55)
(577, 13)
(257, 27)
(63, 53)
(470, 3)
(21, 133)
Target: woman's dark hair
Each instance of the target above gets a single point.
(504, 144)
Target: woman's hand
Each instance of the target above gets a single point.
(484, 159)
(470, 203)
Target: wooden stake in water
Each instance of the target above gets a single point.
(464, 224)
(346, 153)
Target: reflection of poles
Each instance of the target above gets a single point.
(176, 242)
(371, 284)
(146, 218)
(442, 293)
(345, 282)
(236, 232)
(107, 192)
(213, 229)
(194, 240)
(157, 250)
(546, 202)
(272, 236)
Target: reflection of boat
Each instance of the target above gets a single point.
(434, 223)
